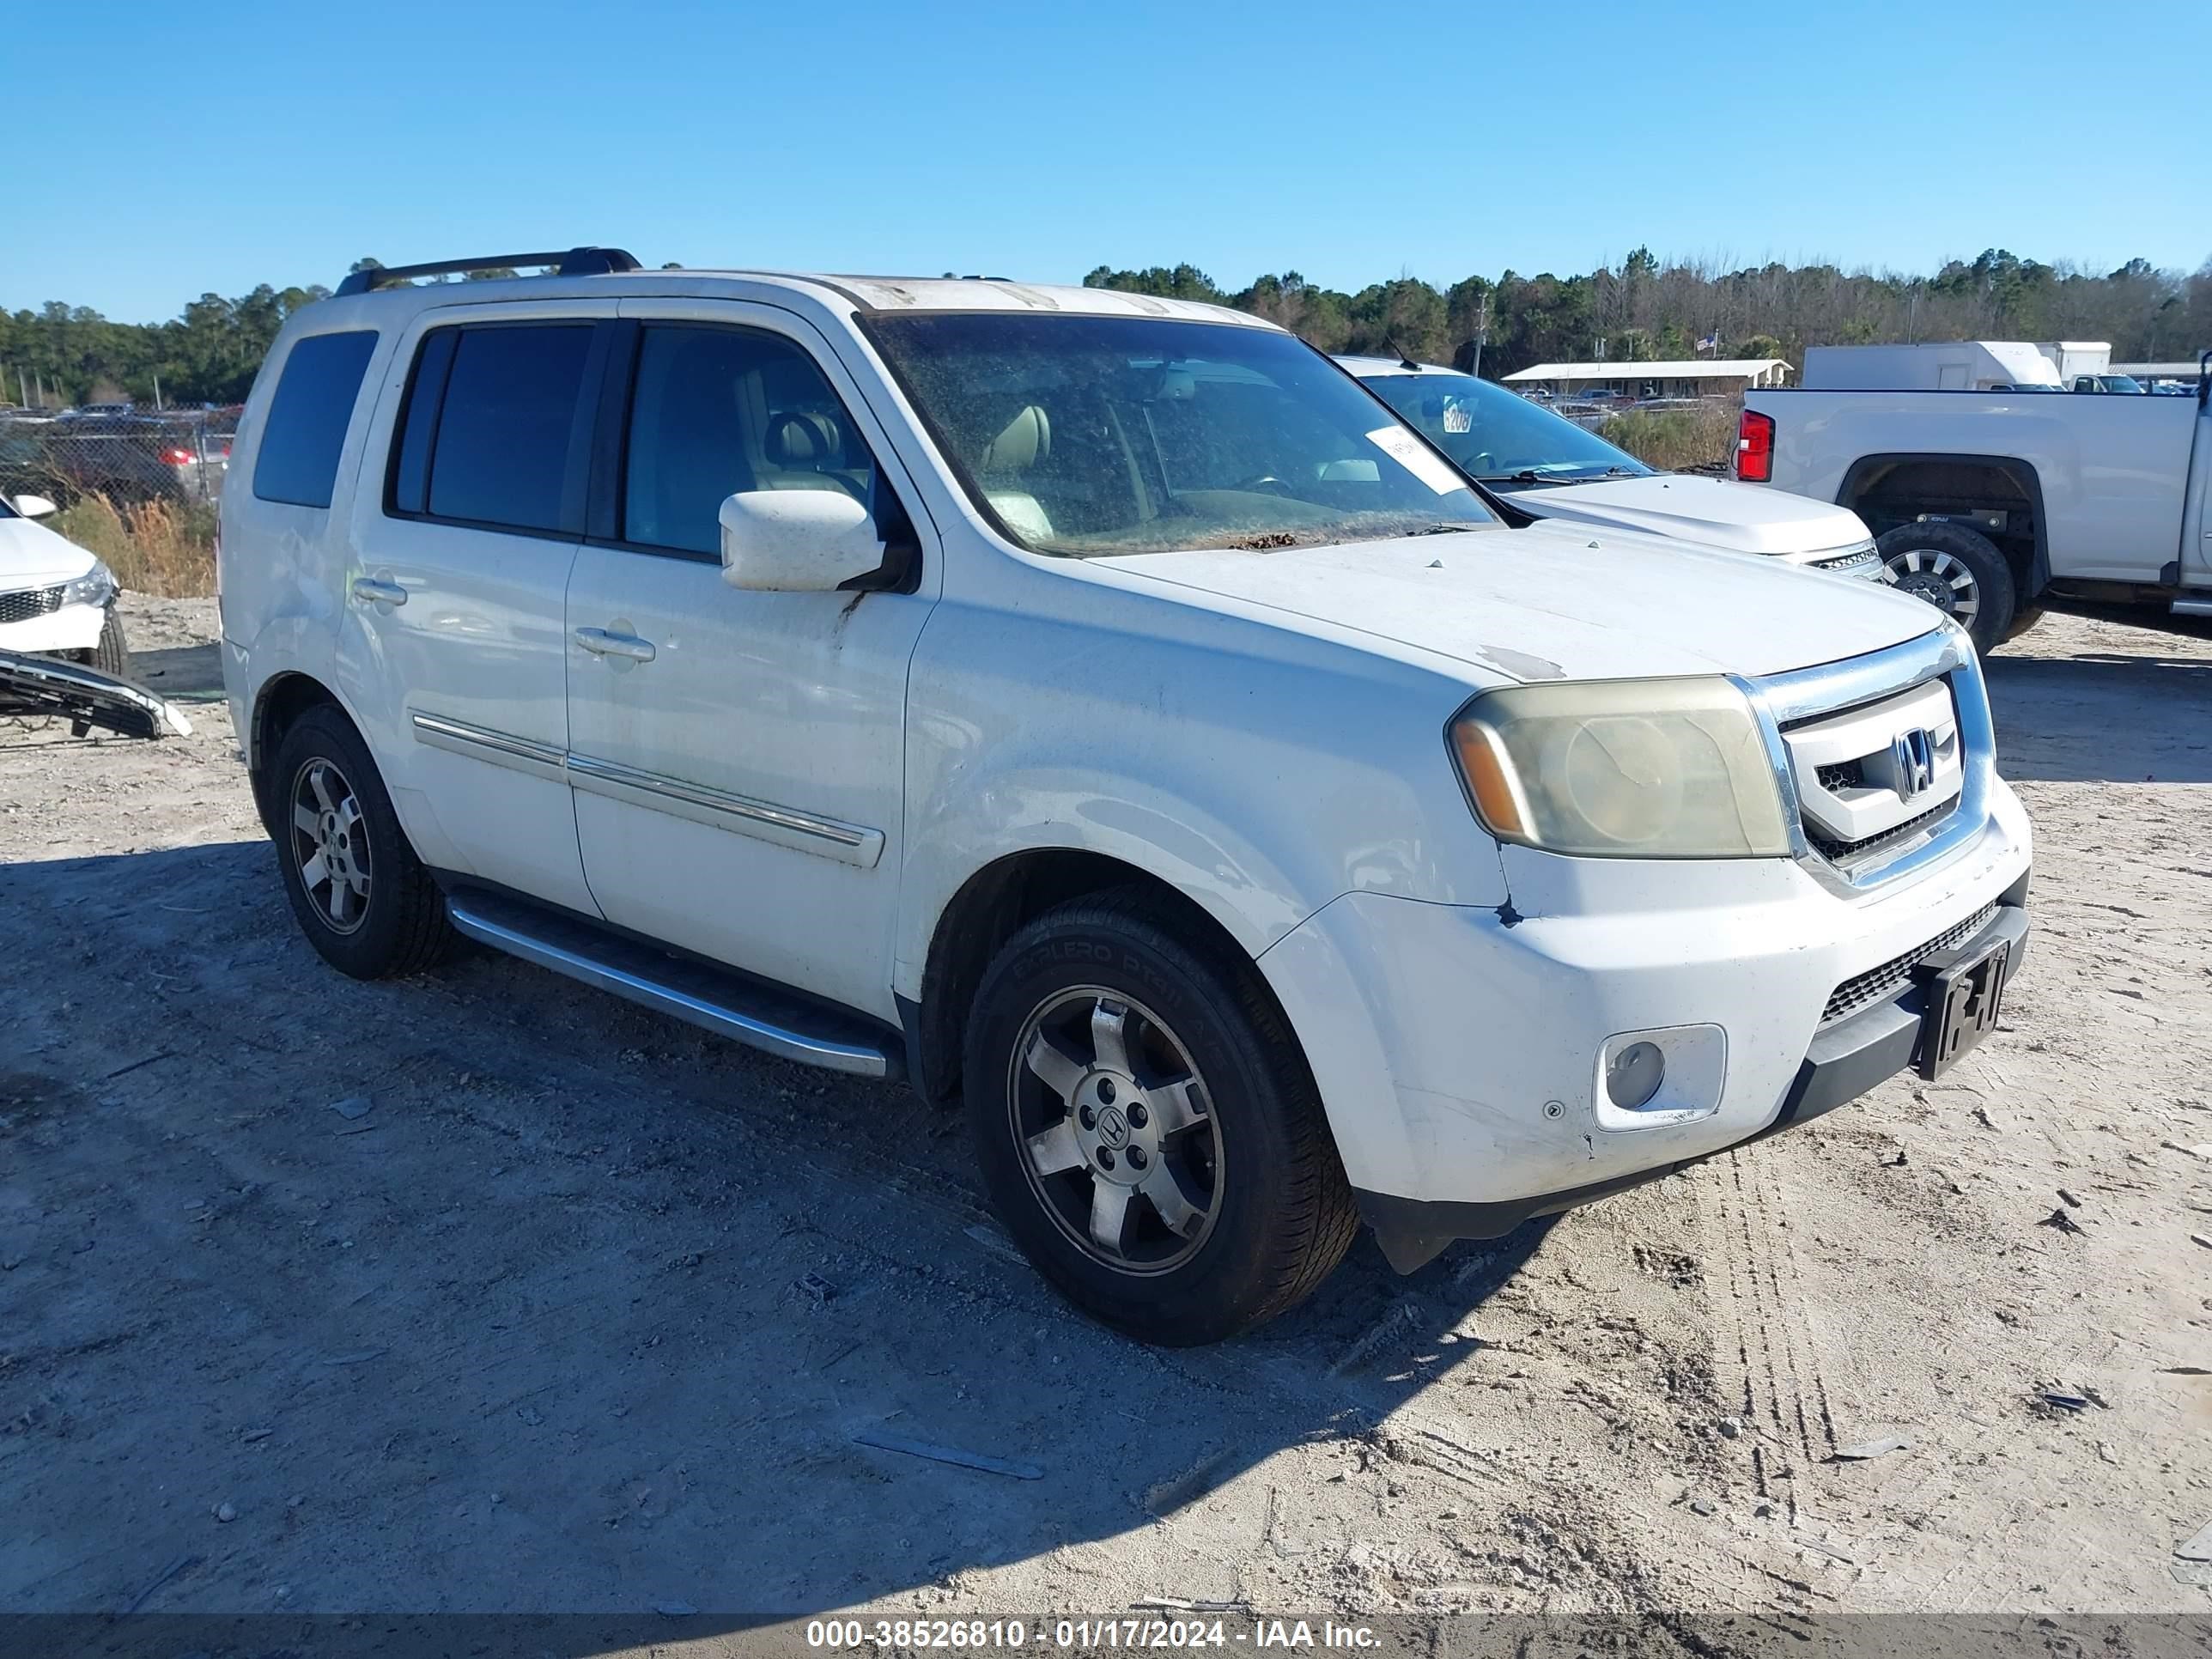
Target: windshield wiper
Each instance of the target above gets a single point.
(1527, 475)
(1552, 475)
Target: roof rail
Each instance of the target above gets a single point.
(576, 262)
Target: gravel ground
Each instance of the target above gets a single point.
(586, 1309)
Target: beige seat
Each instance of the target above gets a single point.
(807, 450)
(1004, 466)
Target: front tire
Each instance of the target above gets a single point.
(112, 654)
(1958, 571)
(359, 894)
(1147, 1126)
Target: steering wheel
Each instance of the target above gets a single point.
(1482, 464)
(1265, 481)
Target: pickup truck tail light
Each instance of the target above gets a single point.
(1754, 447)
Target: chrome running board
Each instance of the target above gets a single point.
(760, 1016)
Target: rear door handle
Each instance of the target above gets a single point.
(369, 591)
(601, 643)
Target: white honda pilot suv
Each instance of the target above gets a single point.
(1102, 710)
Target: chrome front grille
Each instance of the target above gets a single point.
(1860, 560)
(1865, 774)
(1885, 762)
(26, 603)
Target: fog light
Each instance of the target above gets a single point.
(1635, 1075)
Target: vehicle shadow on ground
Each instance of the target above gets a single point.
(2103, 717)
(185, 673)
(483, 1289)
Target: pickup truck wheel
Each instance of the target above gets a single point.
(1147, 1129)
(1958, 571)
(361, 897)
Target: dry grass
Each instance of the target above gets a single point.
(157, 547)
(1677, 439)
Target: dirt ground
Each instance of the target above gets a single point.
(586, 1311)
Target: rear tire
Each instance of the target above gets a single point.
(1958, 571)
(1147, 1128)
(360, 896)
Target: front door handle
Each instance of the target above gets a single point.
(369, 591)
(600, 643)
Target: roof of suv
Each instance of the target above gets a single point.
(834, 292)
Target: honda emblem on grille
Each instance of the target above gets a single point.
(1912, 756)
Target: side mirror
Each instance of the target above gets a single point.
(34, 507)
(796, 541)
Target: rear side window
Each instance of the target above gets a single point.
(493, 426)
(306, 422)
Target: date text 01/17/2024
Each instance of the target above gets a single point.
(1084, 1634)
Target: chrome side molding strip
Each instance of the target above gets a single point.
(481, 743)
(805, 832)
(719, 810)
(722, 1018)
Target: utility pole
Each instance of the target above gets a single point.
(1481, 332)
(157, 391)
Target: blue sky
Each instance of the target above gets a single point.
(163, 151)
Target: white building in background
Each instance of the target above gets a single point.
(1696, 377)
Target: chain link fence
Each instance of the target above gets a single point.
(137, 485)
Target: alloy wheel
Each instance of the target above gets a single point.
(1117, 1130)
(1938, 577)
(330, 846)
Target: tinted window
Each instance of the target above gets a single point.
(306, 425)
(504, 428)
(715, 412)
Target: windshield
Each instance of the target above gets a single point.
(1495, 433)
(1086, 435)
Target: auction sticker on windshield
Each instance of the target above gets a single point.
(1416, 458)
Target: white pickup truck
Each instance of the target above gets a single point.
(1984, 502)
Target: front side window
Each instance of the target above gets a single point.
(306, 425)
(715, 411)
(1089, 435)
(1499, 437)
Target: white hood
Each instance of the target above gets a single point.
(1556, 601)
(31, 556)
(1709, 512)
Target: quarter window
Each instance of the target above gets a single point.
(306, 425)
(717, 410)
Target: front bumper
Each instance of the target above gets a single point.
(1845, 1060)
(1459, 1051)
(71, 627)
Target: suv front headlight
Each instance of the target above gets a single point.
(1622, 768)
(95, 586)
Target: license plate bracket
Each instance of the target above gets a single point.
(1965, 994)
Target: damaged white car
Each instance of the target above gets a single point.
(62, 651)
(56, 598)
